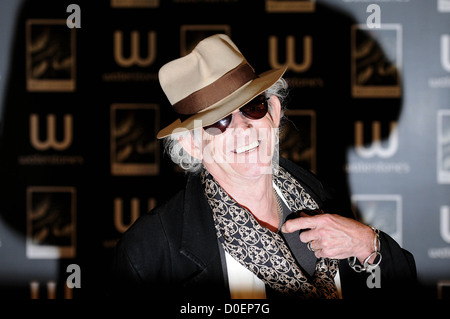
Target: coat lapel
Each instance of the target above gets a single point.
(199, 241)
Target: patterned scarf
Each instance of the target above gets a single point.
(264, 252)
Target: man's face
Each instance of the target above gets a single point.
(246, 148)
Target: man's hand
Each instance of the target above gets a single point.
(334, 236)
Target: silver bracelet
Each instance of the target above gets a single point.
(366, 266)
(376, 239)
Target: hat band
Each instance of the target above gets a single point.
(216, 91)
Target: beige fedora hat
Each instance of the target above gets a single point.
(210, 83)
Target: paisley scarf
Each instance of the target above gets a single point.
(264, 252)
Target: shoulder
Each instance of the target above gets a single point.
(144, 249)
(155, 224)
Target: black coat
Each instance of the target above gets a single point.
(173, 252)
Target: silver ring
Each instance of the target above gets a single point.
(309, 245)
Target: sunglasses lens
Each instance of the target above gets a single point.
(256, 108)
(219, 127)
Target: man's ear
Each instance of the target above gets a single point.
(189, 144)
(275, 106)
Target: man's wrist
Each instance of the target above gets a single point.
(371, 256)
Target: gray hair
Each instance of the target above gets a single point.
(179, 155)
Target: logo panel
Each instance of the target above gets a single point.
(51, 227)
(290, 5)
(122, 220)
(291, 57)
(134, 57)
(443, 5)
(381, 211)
(51, 141)
(134, 147)
(376, 148)
(443, 146)
(376, 61)
(50, 55)
(134, 3)
(298, 138)
(445, 52)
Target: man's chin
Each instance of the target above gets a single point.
(252, 169)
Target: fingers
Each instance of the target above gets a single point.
(303, 222)
(316, 249)
(309, 235)
(314, 232)
(310, 246)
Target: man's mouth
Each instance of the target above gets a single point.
(247, 148)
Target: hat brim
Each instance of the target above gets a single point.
(225, 106)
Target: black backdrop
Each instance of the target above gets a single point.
(368, 112)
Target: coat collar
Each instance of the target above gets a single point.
(198, 235)
(198, 240)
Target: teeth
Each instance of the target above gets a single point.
(247, 147)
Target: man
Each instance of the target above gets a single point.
(248, 224)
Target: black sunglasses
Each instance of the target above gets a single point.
(255, 109)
